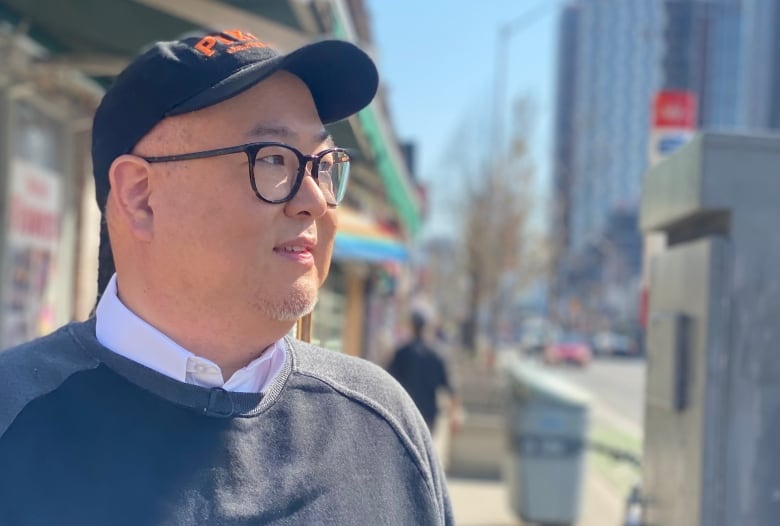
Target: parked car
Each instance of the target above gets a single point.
(537, 333)
(608, 343)
(571, 348)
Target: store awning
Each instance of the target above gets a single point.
(360, 238)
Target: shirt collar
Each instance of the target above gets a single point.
(123, 332)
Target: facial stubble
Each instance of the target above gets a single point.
(297, 303)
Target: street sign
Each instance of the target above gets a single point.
(674, 109)
(674, 122)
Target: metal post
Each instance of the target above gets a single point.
(303, 328)
(505, 31)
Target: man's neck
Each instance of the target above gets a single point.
(230, 340)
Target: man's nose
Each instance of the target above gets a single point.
(309, 199)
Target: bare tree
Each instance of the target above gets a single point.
(494, 208)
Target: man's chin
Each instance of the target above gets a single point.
(295, 314)
(296, 304)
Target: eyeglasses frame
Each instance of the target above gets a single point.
(251, 150)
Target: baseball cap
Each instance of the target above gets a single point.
(197, 71)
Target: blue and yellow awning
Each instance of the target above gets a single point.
(361, 238)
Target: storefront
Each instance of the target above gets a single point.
(358, 308)
(42, 119)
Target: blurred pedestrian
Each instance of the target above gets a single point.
(423, 372)
(183, 401)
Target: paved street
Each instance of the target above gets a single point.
(618, 384)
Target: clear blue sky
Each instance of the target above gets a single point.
(436, 59)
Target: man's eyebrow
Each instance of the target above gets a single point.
(284, 134)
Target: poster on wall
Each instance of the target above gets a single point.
(34, 209)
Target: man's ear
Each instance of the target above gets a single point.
(130, 191)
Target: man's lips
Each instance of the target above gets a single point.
(291, 249)
(296, 248)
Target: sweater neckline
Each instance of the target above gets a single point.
(213, 402)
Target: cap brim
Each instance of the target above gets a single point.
(342, 79)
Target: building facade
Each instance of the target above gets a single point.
(564, 145)
(607, 74)
(725, 51)
(702, 52)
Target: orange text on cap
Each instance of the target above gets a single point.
(234, 40)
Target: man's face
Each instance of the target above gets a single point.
(214, 240)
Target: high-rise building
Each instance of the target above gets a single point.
(702, 51)
(614, 55)
(758, 96)
(564, 142)
(774, 44)
(607, 51)
(726, 52)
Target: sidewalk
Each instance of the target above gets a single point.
(486, 503)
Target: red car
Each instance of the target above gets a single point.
(569, 349)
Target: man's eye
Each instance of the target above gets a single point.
(275, 160)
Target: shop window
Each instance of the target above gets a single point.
(35, 205)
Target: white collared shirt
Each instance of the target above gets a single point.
(122, 331)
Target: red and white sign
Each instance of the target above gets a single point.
(674, 122)
(674, 109)
(34, 206)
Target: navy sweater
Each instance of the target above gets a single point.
(88, 437)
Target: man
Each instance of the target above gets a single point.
(422, 372)
(183, 401)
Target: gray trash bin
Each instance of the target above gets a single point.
(547, 421)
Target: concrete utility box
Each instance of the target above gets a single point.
(547, 421)
(712, 416)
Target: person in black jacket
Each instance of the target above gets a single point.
(422, 371)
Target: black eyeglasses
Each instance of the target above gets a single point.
(276, 170)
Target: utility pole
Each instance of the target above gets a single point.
(503, 35)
